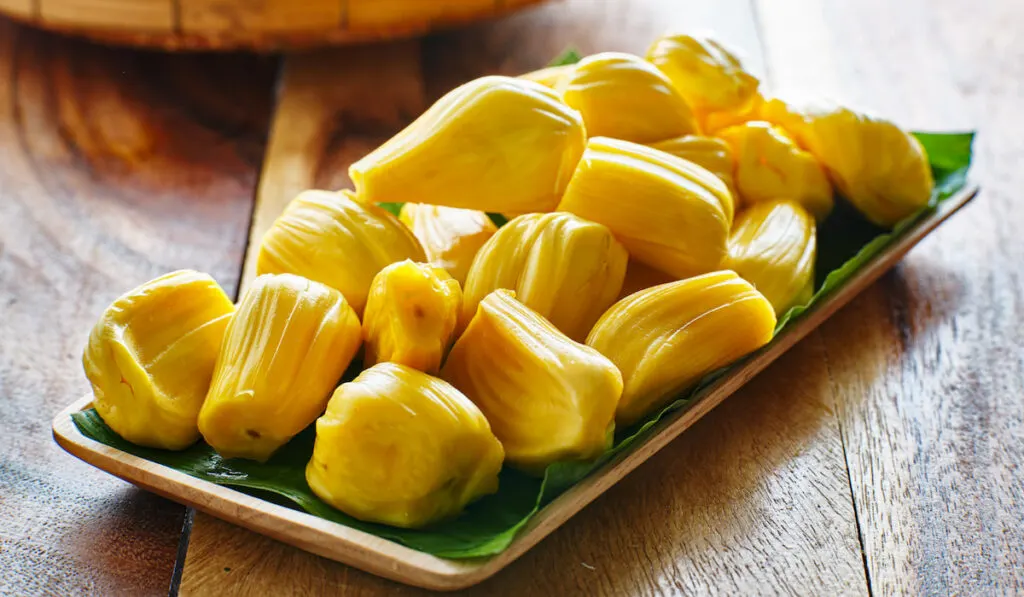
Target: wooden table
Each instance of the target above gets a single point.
(880, 455)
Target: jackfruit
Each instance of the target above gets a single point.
(770, 165)
(565, 268)
(714, 155)
(625, 97)
(553, 77)
(548, 399)
(399, 447)
(450, 236)
(706, 73)
(285, 349)
(668, 212)
(495, 144)
(410, 316)
(880, 168)
(151, 355)
(336, 240)
(773, 246)
(666, 338)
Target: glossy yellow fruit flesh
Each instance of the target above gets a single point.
(668, 212)
(554, 77)
(411, 316)
(450, 236)
(285, 349)
(666, 338)
(770, 165)
(714, 155)
(151, 355)
(880, 168)
(333, 239)
(547, 398)
(564, 267)
(400, 447)
(495, 144)
(706, 73)
(625, 97)
(773, 246)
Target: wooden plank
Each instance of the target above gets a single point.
(394, 561)
(708, 525)
(117, 167)
(926, 369)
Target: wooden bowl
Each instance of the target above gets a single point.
(263, 25)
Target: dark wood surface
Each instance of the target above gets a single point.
(881, 455)
(114, 167)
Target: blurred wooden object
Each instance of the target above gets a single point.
(263, 25)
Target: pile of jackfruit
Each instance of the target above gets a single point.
(661, 213)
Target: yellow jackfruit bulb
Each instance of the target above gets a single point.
(400, 447)
(753, 109)
(714, 155)
(706, 73)
(411, 315)
(548, 399)
(333, 239)
(773, 246)
(286, 348)
(880, 168)
(770, 165)
(668, 212)
(565, 268)
(666, 338)
(450, 236)
(496, 144)
(151, 355)
(625, 97)
(554, 77)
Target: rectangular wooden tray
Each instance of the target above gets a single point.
(400, 563)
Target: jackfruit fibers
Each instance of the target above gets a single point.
(662, 214)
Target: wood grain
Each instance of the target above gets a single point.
(116, 167)
(929, 392)
(710, 514)
(265, 25)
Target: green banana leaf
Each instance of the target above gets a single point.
(846, 243)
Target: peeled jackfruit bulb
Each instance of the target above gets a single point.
(625, 97)
(547, 398)
(770, 165)
(773, 246)
(714, 155)
(554, 77)
(411, 315)
(565, 268)
(496, 144)
(450, 236)
(666, 338)
(706, 73)
(333, 239)
(399, 447)
(151, 355)
(753, 109)
(285, 349)
(880, 168)
(668, 212)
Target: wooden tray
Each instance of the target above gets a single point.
(403, 564)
